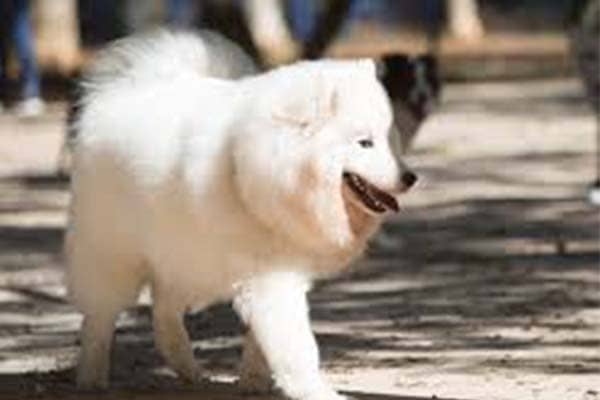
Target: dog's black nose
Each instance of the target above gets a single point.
(409, 179)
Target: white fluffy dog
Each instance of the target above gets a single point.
(208, 189)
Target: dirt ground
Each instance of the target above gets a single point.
(486, 285)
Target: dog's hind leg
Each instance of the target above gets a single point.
(171, 336)
(94, 358)
(101, 289)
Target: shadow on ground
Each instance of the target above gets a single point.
(455, 276)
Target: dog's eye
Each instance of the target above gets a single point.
(366, 143)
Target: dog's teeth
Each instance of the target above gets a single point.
(367, 194)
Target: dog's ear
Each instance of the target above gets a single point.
(307, 108)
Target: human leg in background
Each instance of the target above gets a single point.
(22, 37)
(181, 13)
(2, 69)
(303, 19)
(3, 52)
(269, 30)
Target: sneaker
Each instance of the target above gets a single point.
(594, 194)
(31, 108)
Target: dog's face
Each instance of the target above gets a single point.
(314, 158)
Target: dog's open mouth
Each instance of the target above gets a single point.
(370, 196)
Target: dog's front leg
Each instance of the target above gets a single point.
(275, 308)
(255, 374)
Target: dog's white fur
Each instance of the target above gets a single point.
(209, 189)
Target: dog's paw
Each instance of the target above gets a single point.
(254, 384)
(193, 375)
(91, 378)
(91, 384)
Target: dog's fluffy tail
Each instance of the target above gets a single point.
(155, 56)
(163, 54)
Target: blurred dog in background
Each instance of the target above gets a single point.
(414, 87)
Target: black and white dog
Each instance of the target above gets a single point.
(414, 87)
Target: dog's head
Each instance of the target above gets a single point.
(313, 156)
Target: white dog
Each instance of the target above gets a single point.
(210, 189)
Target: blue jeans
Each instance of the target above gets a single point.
(181, 13)
(303, 17)
(15, 14)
